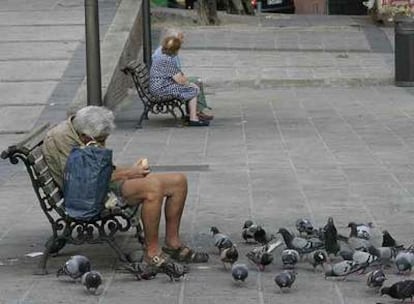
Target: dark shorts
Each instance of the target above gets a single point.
(116, 187)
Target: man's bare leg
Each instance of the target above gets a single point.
(151, 191)
(174, 207)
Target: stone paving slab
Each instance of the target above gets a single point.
(36, 50)
(271, 154)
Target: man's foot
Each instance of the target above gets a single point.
(185, 254)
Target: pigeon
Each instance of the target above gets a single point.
(346, 255)
(354, 241)
(316, 258)
(263, 255)
(384, 254)
(364, 230)
(389, 241)
(92, 280)
(285, 279)
(229, 256)
(404, 261)
(401, 290)
(364, 258)
(75, 267)
(376, 278)
(260, 236)
(141, 271)
(290, 258)
(343, 269)
(248, 230)
(239, 272)
(221, 241)
(301, 245)
(304, 226)
(331, 237)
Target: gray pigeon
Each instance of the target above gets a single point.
(363, 230)
(75, 267)
(316, 258)
(304, 226)
(221, 241)
(364, 258)
(355, 242)
(239, 272)
(385, 254)
(229, 256)
(263, 255)
(301, 245)
(343, 269)
(290, 258)
(285, 279)
(92, 280)
(248, 230)
(405, 261)
(401, 290)
(376, 278)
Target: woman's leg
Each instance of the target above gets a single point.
(201, 101)
(192, 107)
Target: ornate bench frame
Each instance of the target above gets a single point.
(66, 230)
(140, 76)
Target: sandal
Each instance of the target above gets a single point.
(162, 264)
(185, 254)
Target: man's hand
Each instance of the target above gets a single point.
(141, 168)
(138, 171)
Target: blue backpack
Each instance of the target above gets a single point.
(86, 180)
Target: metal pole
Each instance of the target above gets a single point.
(146, 25)
(93, 54)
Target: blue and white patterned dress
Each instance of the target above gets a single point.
(162, 84)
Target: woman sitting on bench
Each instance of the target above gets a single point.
(166, 79)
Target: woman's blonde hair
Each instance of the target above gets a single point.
(170, 45)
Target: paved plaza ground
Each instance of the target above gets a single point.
(308, 123)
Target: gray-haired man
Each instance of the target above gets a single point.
(135, 184)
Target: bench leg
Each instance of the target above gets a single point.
(121, 255)
(41, 267)
(52, 247)
(143, 116)
(139, 234)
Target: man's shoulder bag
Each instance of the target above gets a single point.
(86, 181)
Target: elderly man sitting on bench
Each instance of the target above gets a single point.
(133, 185)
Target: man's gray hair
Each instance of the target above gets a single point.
(94, 121)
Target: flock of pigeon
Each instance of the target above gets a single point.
(336, 254)
(79, 267)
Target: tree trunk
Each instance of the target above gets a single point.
(240, 7)
(207, 12)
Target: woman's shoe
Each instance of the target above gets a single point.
(198, 123)
(204, 116)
